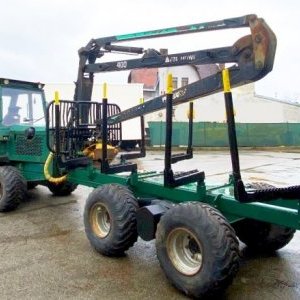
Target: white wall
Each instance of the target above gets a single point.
(249, 108)
(66, 90)
(126, 96)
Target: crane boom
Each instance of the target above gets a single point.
(253, 56)
(77, 122)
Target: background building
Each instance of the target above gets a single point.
(261, 121)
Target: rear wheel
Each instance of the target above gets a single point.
(12, 188)
(62, 189)
(197, 249)
(110, 219)
(261, 236)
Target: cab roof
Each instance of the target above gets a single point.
(20, 83)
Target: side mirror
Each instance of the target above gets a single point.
(30, 133)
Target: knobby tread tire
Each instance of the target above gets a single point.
(263, 237)
(122, 207)
(220, 249)
(13, 188)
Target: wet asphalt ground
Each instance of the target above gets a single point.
(44, 253)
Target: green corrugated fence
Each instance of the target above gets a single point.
(213, 134)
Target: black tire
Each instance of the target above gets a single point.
(62, 189)
(12, 188)
(259, 186)
(31, 185)
(262, 237)
(110, 219)
(197, 249)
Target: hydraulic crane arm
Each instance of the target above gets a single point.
(252, 55)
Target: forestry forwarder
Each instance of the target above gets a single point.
(191, 220)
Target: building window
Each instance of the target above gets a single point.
(184, 81)
(175, 83)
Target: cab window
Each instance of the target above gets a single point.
(22, 107)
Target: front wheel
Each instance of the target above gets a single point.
(110, 219)
(12, 188)
(197, 249)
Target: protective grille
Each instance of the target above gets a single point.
(29, 147)
(79, 122)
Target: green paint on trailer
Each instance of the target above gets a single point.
(263, 211)
(92, 177)
(282, 212)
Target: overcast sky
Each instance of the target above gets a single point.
(40, 38)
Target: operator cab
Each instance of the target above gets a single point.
(22, 103)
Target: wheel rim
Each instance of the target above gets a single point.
(100, 220)
(184, 251)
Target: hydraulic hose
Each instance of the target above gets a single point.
(48, 176)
